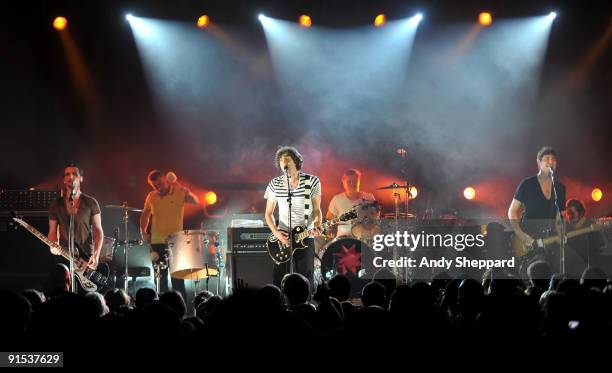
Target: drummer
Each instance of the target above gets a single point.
(351, 197)
(164, 206)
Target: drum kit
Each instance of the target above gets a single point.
(350, 255)
(191, 254)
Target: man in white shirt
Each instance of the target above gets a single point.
(352, 196)
(305, 210)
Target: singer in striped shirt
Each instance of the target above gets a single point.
(305, 209)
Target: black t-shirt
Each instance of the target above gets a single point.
(539, 212)
(88, 207)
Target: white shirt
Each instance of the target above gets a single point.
(341, 204)
(277, 191)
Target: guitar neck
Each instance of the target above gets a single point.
(327, 224)
(42, 237)
(574, 233)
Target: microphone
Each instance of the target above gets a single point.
(550, 171)
(73, 191)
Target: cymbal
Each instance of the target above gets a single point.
(394, 186)
(402, 215)
(123, 207)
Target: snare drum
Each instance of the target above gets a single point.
(190, 256)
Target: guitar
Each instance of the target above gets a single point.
(281, 253)
(521, 250)
(89, 280)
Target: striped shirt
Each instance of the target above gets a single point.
(277, 192)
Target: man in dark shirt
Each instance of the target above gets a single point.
(88, 233)
(535, 198)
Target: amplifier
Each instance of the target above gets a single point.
(249, 259)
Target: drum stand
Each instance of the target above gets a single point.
(126, 246)
(157, 268)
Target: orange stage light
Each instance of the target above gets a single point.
(305, 21)
(380, 20)
(485, 18)
(210, 198)
(596, 194)
(60, 23)
(469, 193)
(414, 192)
(203, 21)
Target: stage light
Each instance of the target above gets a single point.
(552, 15)
(60, 23)
(414, 192)
(210, 198)
(265, 21)
(596, 194)
(305, 21)
(380, 20)
(415, 19)
(469, 193)
(129, 17)
(485, 18)
(203, 21)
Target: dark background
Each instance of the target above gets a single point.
(221, 134)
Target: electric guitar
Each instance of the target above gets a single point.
(281, 253)
(89, 280)
(521, 250)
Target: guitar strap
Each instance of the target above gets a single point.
(307, 201)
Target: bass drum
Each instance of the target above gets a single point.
(347, 256)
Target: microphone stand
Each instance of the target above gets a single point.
(71, 251)
(562, 224)
(289, 200)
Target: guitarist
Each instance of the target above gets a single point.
(305, 210)
(534, 197)
(88, 233)
(584, 248)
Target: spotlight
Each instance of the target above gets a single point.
(469, 193)
(305, 21)
(552, 15)
(210, 198)
(485, 18)
(380, 20)
(129, 17)
(60, 23)
(414, 20)
(203, 21)
(414, 192)
(596, 194)
(265, 21)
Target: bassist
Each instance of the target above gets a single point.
(88, 233)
